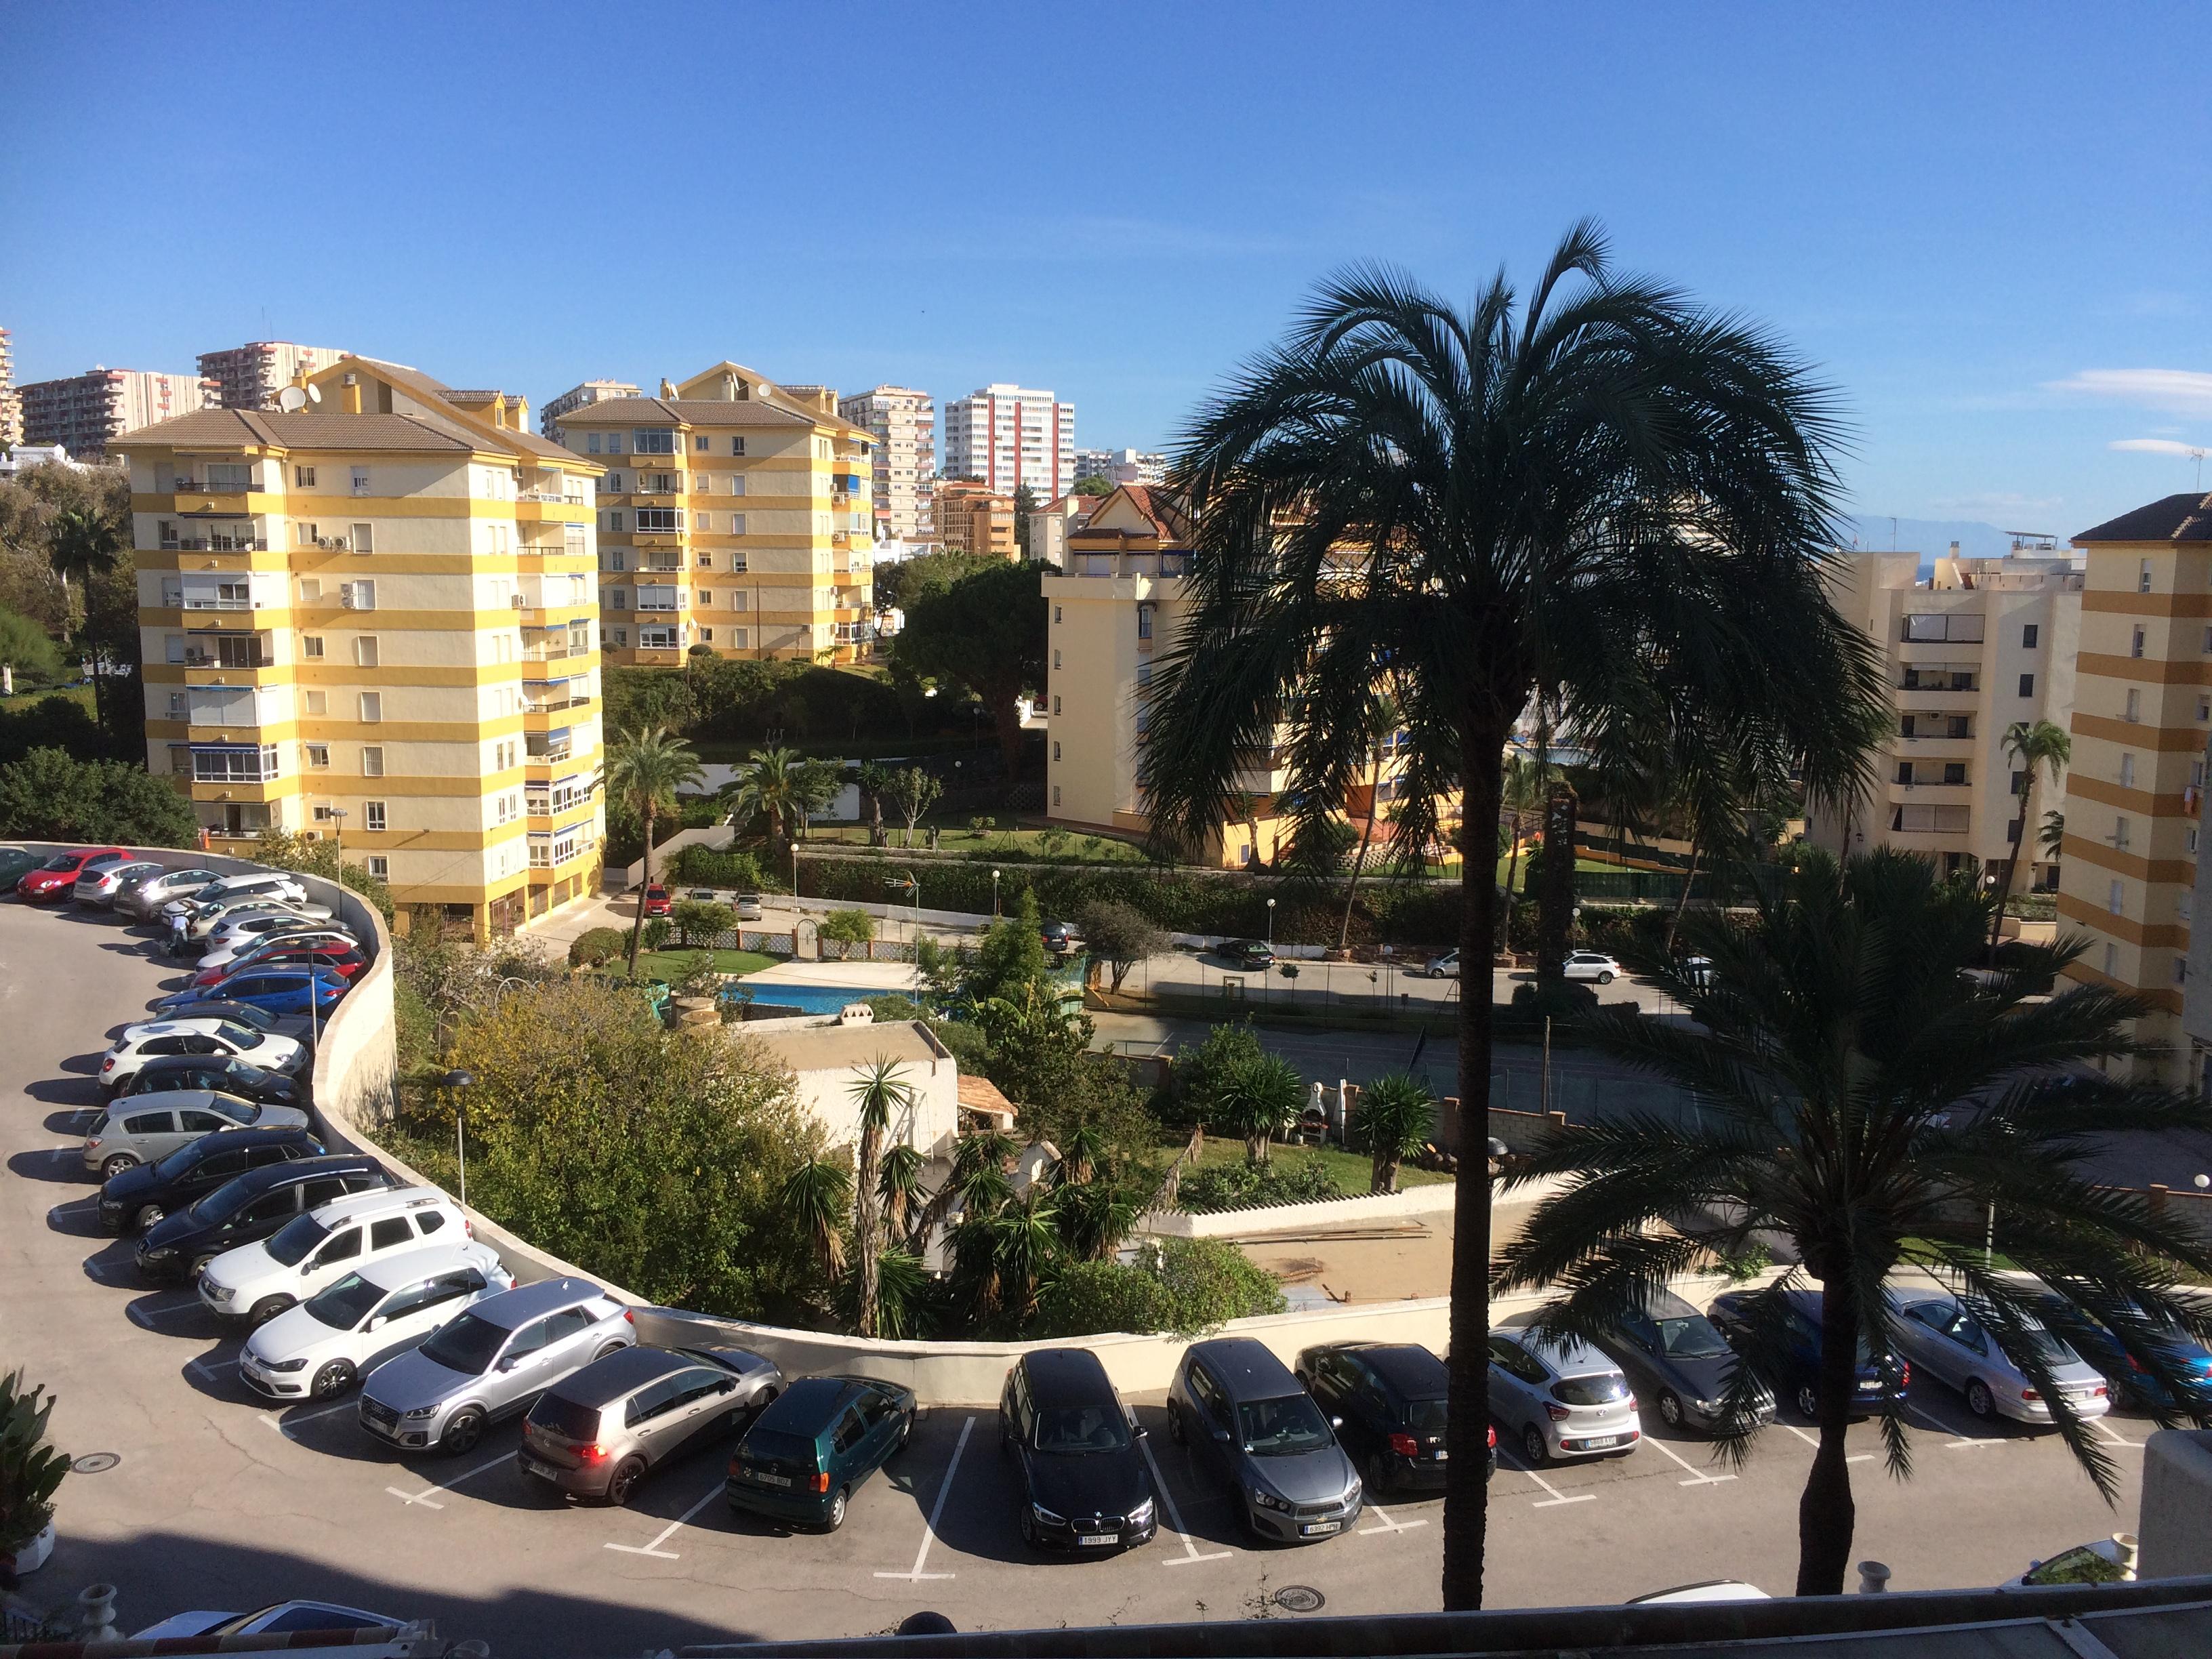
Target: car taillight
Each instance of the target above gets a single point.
(468, 1227)
(821, 1483)
(91, 1141)
(2098, 1392)
(1903, 1375)
(2134, 1363)
(2029, 1393)
(108, 1064)
(1631, 1403)
(628, 1317)
(591, 1454)
(1405, 1445)
(1557, 1413)
(1493, 1436)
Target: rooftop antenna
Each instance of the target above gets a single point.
(291, 400)
(2197, 456)
(1892, 532)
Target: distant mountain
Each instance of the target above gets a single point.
(1931, 538)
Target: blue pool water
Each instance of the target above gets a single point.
(807, 999)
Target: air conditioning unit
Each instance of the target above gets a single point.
(345, 598)
(517, 601)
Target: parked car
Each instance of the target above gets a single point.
(252, 917)
(248, 884)
(491, 1362)
(1060, 937)
(137, 1198)
(2137, 1389)
(1248, 953)
(1255, 1432)
(656, 901)
(2101, 1561)
(57, 878)
(1388, 1401)
(99, 887)
(288, 950)
(15, 863)
(1444, 967)
(146, 899)
(1705, 1590)
(164, 1039)
(1084, 1483)
(147, 1128)
(1559, 1398)
(1593, 965)
(225, 1073)
(321, 1348)
(597, 1433)
(804, 1456)
(280, 990)
(258, 1281)
(1680, 1363)
(1875, 1382)
(241, 948)
(284, 1618)
(250, 1206)
(238, 1013)
(1946, 1337)
(749, 907)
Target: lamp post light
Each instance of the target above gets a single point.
(338, 833)
(794, 869)
(995, 895)
(1271, 924)
(458, 1081)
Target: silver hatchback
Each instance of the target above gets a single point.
(1559, 1398)
(146, 1129)
(1946, 1338)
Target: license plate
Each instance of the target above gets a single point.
(1318, 1528)
(1602, 1441)
(1440, 1453)
(767, 1480)
(1098, 1538)
(546, 1470)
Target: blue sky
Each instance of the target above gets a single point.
(1989, 226)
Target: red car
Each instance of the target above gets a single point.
(342, 960)
(656, 900)
(56, 879)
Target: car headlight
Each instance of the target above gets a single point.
(420, 1412)
(282, 1364)
(1267, 1500)
(1046, 1518)
(1142, 1515)
(155, 1256)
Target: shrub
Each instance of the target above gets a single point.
(698, 976)
(596, 947)
(701, 921)
(1185, 1285)
(1187, 1096)
(849, 927)
(1250, 1186)
(49, 795)
(657, 931)
(703, 867)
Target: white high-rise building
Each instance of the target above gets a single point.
(575, 397)
(250, 376)
(1008, 436)
(1120, 466)
(903, 423)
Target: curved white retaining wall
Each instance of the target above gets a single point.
(1430, 1200)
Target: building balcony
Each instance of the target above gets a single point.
(553, 654)
(214, 487)
(1943, 699)
(215, 544)
(544, 706)
(655, 656)
(1933, 747)
(552, 498)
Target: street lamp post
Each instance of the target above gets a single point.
(458, 1081)
(1271, 924)
(794, 869)
(995, 895)
(338, 833)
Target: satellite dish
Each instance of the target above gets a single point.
(314, 394)
(291, 400)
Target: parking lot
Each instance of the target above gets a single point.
(215, 1500)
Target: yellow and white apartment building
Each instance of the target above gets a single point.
(734, 514)
(1114, 608)
(370, 614)
(2142, 712)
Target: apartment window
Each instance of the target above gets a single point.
(706, 561)
(2208, 640)
(318, 702)
(645, 442)
(2204, 708)
(2011, 831)
(2121, 829)
(380, 866)
(1055, 751)
(660, 521)
(2180, 969)
(614, 520)
(373, 814)
(311, 645)
(2127, 771)
(2135, 647)
(657, 639)
(1954, 771)
(738, 528)
(702, 522)
(707, 635)
(360, 480)
(737, 445)
(622, 638)
(591, 443)
(303, 478)
(1055, 657)
(2134, 704)
(372, 707)
(176, 705)
(2192, 841)
(702, 483)
(364, 540)
(2028, 636)
(1055, 702)
(737, 483)
(700, 441)
(318, 757)
(311, 590)
(1056, 617)
(614, 443)
(2112, 954)
(1143, 622)
(364, 651)
(1056, 794)
(2115, 896)
(706, 596)
(357, 595)
(2028, 685)
(2142, 577)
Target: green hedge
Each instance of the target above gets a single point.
(703, 867)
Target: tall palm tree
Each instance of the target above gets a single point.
(777, 787)
(1384, 712)
(900, 1185)
(1258, 1097)
(2043, 746)
(1526, 786)
(645, 768)
(1835, 1044)
(817, 1196)
(880, 1091)
(1607, 495)
(81, 542)
(1397, 1114)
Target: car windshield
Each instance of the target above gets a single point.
(469, 1344)
(566, 1417)
(60, 861)
(347, 1303)
(1427, 1416)
(239, 1111)
(1598, 1390)
(296, 1238)
(238, 1036)
(260, 1018)
(1082, 1428)
(181, 1160)
(1690, 1338)
(1281, 1428)
(220, 1202)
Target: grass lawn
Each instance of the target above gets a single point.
(735, 752)
(1521, 873)
(1353, 1171)
(79, 695)
(955, 836)
(672, 963)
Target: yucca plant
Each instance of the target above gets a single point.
(31, 1470)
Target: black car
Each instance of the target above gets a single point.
(225, 1073)
(137, 1198)
(1085, 1485)
(1679, 1361)
(1387, 1399)
(1060, 937)
(1788, 1346)
(251, 1207)
(1248, 953)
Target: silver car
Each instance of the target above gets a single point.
(1945, 1339)
(491, 1362)
(99, 887)
(1559, 1398)
(147, 898)
(147, 1128)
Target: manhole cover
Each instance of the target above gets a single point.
(1299, 1598)
(96, 1462)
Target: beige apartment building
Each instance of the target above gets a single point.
(733, 514)
(588, 391)
(250, 376)
(904, 424)
(1980, 646)
(369, 614)
(973, 518)
(11, 411)
(2142, 711)
(83, 413)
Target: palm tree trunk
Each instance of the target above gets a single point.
(1512, 875)
(2012, 864)
(865, 1213)
(1465, 1520)
(1827, 1516)
(1555, 904)
(1674, 926)
(1351, 890)
(637, 921)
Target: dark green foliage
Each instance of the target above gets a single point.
(595, 947)
(56, 722)
(1246, 1185)
(1119, 935)
(739, 871)
(986, 633)
(1184, 1286)
(657, 931)
(701, 921)
(25, 648)
(1186, 1099)
(50, 795)
(849, 927)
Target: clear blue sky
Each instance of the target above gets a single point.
(1989, 226)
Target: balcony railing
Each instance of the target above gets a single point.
(212, 486)
(215, 544)
(214, 660)
(202, 602)
(553, 705)
(552, 498)
(553, 654)
(547, 756)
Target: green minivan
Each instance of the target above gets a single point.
(806, 1455)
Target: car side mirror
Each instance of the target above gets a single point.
(1336, 1422)
(376, 1321)
(1221, 1435)
(507, 1362)
(1143, 1433)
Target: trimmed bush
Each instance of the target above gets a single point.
(1188, 1286)
(597, 947)
(703, 867)
(849, 927)
(1250, 1186)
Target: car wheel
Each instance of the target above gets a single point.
(463, 1430)
(611, 1347)
(1377, 1474)
(1670, 1409)
(837, 1508)
(148, 1215)
(200, 1264)
(1535, 1446)
(1605, 979)
(1979, 1400)
(116, 1165)
(268, 1308)
(625, 1480)
(334, 1379)
(1809, 1401)
(1174, 1425)
(906, 1432)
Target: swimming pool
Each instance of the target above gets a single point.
(807, 999)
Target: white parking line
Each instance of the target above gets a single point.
(284, 1426)
(1956, 1439)
(1386, 1524)
(424, 1496)
(1698, 1477)
(143, 1315)
(929, 1526)
(1175, 1517)
(206, 1369)
(1856, 1457)
(661, 1537)
(1557, 1497)
(2113, 1439)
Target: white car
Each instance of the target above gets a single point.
(223, 950)
(141, 1043)
(334, 1338)
(1592, 965)
(260, 1281)
(285, 1619)
(749, 907)
(264, 917)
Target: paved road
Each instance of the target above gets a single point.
(218, 1501)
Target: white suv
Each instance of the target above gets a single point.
(255, 1282)
(203, 1035)
(337, 1337)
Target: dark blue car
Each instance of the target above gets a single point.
(275, 990)
(1794, 1371)
(2132, 1385)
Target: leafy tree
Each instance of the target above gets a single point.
(657, 933)
(817, 1197)
(987, 634)
(850, 926)
(1120, 936)
(1093, 486)
(912, 792)
(2042, 747)
(1010, 957)
(1186, 1286)
(2051, 838)
(81, 542)
(49, 795)
(775, 788)
(1837, 1044)
(881, 1092)
(1025, 504)
(644, 770)
(702, 920)
(875, 780)
(1196, 1074)
(595, 946)
(1527, 783)
(1397, 1114)
(643, 699)
(901, 584)
(1607, 497)
(1258, 1099)
(816, 784)
(900, 1187)
(26, 650)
